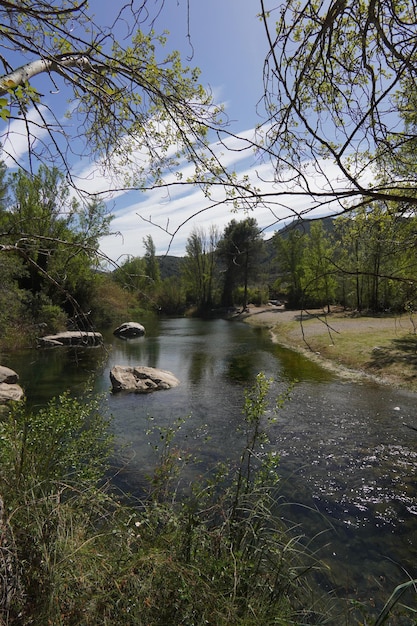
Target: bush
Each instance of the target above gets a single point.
(255, 295)
(52, 318)
(52, 462)
(110, 303)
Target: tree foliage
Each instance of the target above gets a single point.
(339, 81)
(377, 259)
(336, 121)
(49, 243)
(290, 260)
(238, 248)
(364, 261)
(133, 108)
(55, 236)
(198, 270)
(319, 275)
(152, 264)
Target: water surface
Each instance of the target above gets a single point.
(348, 462)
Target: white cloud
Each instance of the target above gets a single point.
(174, 208)
(14, 138)
(178, 208)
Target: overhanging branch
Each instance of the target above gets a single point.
(24, 73)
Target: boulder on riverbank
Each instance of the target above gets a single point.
(129, 330)
(141, 379)
(71, 338)
(9, 389)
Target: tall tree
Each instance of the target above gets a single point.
(238, 248)
(378, 257)
(319, 270)
(153, 271)
(290, 260)
(199, 267)
(56, 237)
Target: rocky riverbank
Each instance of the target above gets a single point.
(379, 348)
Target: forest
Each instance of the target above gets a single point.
(53, 279)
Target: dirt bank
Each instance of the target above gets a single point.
(382, 348)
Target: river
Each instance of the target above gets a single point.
(347, 459)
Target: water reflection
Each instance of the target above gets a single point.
(295, 366)
(200, 365)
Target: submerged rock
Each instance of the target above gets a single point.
(141, 379)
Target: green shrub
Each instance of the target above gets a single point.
(255, 295)
(170, 296)
(110, 303)
(53, 318)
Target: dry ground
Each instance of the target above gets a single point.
(383, 348)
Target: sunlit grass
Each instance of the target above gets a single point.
(382, 347)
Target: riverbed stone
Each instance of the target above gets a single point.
(9, 389)
(8, 375)
(141, 379)
(10, 392)
(128, 330)
(71, 338)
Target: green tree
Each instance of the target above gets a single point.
(171, 296)
(55, 237)
(152, 264)
(198, 269)
(378, 258)
(131, 275)
(239, 248)
(319, 270)
(290, 260)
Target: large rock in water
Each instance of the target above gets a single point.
(129, 330)
(9, 389)
(141, 379)
(71, 338)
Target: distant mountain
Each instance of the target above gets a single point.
(170, 266)
(304, 226)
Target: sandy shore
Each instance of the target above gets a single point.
(378, 348)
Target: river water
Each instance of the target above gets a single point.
(347, 459)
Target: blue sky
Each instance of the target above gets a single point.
(228, 44)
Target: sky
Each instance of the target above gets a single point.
(227, 42)
(228, 45)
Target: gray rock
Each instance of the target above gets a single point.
(9, 389)
(10, 392)
(141, 379)
(8, 376)
(129, 330)
(71, 338)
